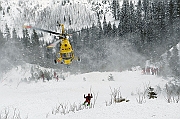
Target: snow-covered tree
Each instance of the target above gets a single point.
(115, 9)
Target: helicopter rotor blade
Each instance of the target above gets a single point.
(61, 36)
(52, 45)
(25, 26)
(73, 32)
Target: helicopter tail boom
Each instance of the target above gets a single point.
(53, 44)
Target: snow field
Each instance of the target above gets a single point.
(38, 100)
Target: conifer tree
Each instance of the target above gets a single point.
(35, 38)
(157, 23)
(139, 16)
(87, 39)
(145, 4)
(114, 9)
(170, 12)
(75, 41)
(26, 44)
(1, 34)
(26, 38)
(70, 21)
(0, 7)
(109, 29)
(35, 48)
(161, 15)
(178, 4)
(120, 29)
(48, 56)
(2, 39)
(14, 34)
(124, 17)
(7, 32)
(1, 46)
(132, 17)
(175, 62)
(167, 65)
(114, 30)
(3, 13)
(100, 31)
(118, 10)
(175, 9)
(105, 29)
(16, 40)
(93, 33)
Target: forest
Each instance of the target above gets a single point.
(145, 31)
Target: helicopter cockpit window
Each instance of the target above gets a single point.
(67, 55)
(63, 55)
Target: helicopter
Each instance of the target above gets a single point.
(66, 52)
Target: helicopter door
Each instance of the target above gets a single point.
(67, 55)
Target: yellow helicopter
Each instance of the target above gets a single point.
(66, 53)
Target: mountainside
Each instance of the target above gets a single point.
(74, 14)
(116, 35)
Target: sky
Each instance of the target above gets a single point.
(40, 100)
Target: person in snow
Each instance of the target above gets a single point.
(88, 99)
(42, 75)
(57, 78)
(55, 74)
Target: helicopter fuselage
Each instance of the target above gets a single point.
(66, 54)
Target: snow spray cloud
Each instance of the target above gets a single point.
(115, 54)
(121, 55)
(10, 55)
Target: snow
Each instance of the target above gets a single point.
(22, 12)
(15, 18)
(37, 100)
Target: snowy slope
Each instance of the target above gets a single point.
(39, 100)
(45, 14)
